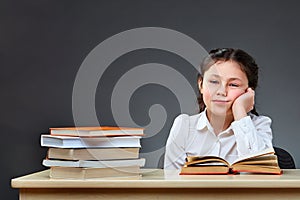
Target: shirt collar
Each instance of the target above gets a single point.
(202, 121)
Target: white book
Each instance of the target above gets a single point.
(94, 163)
(89, 142)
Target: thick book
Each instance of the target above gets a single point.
(264, 162)
(97, 131)
(93, 154)
(89, 142)
(130, 172)
(94, 163)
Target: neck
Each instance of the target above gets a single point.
(219, 122)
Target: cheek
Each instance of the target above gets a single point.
(206, 94)
(235, 94)
(207, 91)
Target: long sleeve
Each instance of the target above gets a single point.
(252, 135)
(175, 147)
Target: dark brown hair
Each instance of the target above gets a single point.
(247, 63)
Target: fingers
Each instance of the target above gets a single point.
(251, 91)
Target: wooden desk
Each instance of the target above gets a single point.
(157, 184)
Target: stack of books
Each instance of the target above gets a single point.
(93, 152)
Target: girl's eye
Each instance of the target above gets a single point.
(214, 81)
(233, 85)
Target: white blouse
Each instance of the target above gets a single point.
(193, 135)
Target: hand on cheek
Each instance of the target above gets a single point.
(243, 104)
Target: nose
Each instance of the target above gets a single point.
(222, 91)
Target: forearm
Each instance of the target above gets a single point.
(252, 137)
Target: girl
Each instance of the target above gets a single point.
(228, 125)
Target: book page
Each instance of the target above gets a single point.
(192, 160)
(267, 160)
(256, 154)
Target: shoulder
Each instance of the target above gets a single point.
(180, 124)
(185, 122)
(187, 119)
(181, 128)
(182, 118)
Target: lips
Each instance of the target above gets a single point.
(220, 101)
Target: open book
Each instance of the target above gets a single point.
(264, 162)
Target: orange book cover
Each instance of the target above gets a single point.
(97, 131)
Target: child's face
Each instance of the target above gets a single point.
(222, 83)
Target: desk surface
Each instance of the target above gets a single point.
(158, 178)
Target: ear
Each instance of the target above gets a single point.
(200, 83)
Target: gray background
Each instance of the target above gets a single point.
(43, 43)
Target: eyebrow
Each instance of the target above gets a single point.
(231, 79)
